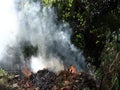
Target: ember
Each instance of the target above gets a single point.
(72, 69)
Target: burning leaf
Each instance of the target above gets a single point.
(72, 69)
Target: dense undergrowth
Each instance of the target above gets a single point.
(96, 30)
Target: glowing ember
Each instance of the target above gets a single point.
(72, 69)
(26, 71)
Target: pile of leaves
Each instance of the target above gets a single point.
(47, 80)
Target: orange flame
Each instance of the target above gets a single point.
(26, 71)
(72, 69)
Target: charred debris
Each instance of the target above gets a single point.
(47, 80)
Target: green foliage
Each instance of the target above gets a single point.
(29, 50)
(2, 72)
(91, 21)
(110, 67)
(48, 2)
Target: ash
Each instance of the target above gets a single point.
(43, 79)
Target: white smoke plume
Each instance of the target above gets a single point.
(38, 25)
(8, 24)
(8, 32)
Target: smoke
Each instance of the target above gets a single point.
(38, 25)
(8, 31)
(8, 24)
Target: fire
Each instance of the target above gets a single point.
(26, 71)
(72, 69)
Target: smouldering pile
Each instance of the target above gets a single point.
(64, 80)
